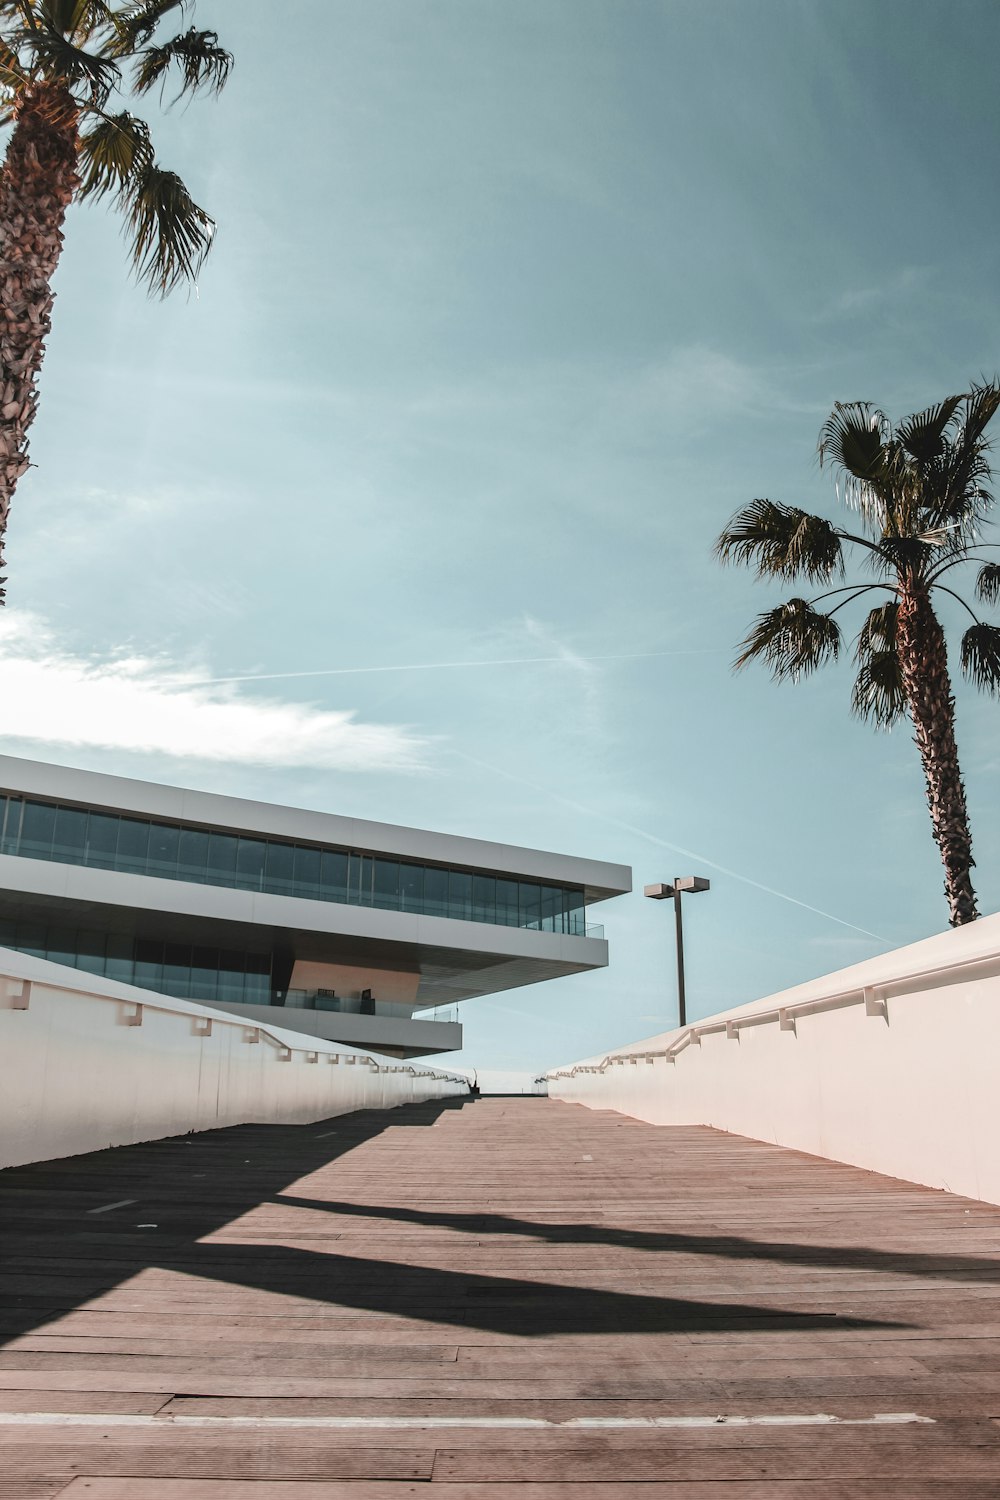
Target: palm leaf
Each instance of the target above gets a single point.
(136, 23)
(113, 153)
(77, 18)
(988, 583)
(57, 58)
(981, 656)
(923, 434)
(203, 64)
(878, 694)
(793, 640)
(781, 541)
(854, 440)
(170, 234)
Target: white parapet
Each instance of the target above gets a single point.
(87, 1063)
(892, 1064)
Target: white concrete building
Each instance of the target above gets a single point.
(336, 927)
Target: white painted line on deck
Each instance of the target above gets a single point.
(107, 1207)
(383, 1424)
(326, 1134)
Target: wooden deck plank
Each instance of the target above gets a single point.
(449, 1264)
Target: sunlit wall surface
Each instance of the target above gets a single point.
(36, 829)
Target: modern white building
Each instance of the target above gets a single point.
(333, 926)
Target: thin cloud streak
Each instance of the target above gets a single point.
(653, 838)
(54, 697)
(565, 658)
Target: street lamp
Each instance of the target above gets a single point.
(660, 892)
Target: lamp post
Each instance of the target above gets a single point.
(660, 892)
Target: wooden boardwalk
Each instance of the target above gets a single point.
(511, 1299)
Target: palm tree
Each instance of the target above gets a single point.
(61, 64)
(920, 491)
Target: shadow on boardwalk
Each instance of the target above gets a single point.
(58, 1256)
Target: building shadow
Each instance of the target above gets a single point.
(65, 1245)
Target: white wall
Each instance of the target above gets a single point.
(900, 1074)
(76, 1076)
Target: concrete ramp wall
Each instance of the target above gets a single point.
(87, 1063)
(892, 1064)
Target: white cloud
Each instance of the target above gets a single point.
(139, 704)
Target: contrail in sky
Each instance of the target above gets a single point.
(653, 838)
(440, 666)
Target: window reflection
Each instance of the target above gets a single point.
(108, 841)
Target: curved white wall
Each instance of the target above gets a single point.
(78, 1074)
(892, 1064)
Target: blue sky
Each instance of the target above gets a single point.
(513, 302)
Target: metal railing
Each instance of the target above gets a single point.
(874, 998)
(18, 991)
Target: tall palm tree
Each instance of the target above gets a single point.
(920, 491)
(61, 66)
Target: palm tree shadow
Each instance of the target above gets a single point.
(191, 1186)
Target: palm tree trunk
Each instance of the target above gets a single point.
(37, 185)
(923, 660)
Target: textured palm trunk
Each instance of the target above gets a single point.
(923, 659)
(37, 185)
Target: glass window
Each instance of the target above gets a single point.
(11, 827)
(120, 962)
(576, 915)
(8, 933)
(250, 858)
(164, 848)
(385, 884)
(231, 976)
(192, 855)
(530, 904)
(257, 983)
(31, 938)
(3, 816)
(411, 887)
(361, 879)
(204, 973)
(279, 869)
(102, 840)
(60, 945)
(307, 862)
(38, 826)
(222, 858)
(460, 895)
(90, 951)
(552, 908)
(507, 903)
(70, 841)
(177, 970)
(333, 875)
(484, 898)
(133, 845)
(148, 964)
(435, 892)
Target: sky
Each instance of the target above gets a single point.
(406, 512)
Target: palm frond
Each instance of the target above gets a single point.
(793, 640)
(781, 541)
(56, 57)
(988, 583)
(981, 656)
(113, 153)
(77, 18)
(878, 695)
(136, 23)
(924, 434)
(12, 75)
(203, 64)
(878, 633)
(854, 440)
(170, 234)
(962, 495)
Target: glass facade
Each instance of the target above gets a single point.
(206, 856)
(180, 969)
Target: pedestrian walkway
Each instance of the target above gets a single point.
(506, 1299)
